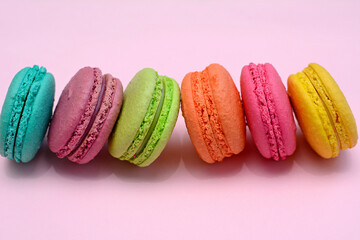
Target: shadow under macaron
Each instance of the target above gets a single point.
(202, 170)
(104, 165)
(94, 170)
(312, 163)
(264, 167)
(160, 170)
(33, 169)
(233, 165)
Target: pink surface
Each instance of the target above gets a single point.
(180, 196)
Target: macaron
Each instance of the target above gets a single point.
(26, 113)
(147, 119)
(268, 111)
(322, 111)
(211, 107)
(85, 115)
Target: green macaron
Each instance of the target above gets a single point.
(148, 116)
(26, 113)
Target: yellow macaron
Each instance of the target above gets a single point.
(322, 111)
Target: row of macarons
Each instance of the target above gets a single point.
(137, 123)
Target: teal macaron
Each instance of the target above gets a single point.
(147, 119)
(26, 113)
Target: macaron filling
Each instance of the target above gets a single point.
(267, 111)
(149, 120)
(26, 114)
(107, 99)
(142, 158)
(87, 116)
(203, 117)
(333, 113)
(17, 111)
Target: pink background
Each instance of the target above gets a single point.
(179, 196)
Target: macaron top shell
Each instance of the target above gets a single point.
(72, 115)
(268, 111)
(335, 101)
(213, 114)
(137, 98)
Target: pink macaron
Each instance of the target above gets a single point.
(268, 111)
(85, 115)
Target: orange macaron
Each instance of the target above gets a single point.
(213, 113)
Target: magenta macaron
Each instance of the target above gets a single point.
(268, 111)
(85, 115)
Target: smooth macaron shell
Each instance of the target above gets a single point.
(341, 114)
(85, 115)
(268, 111)
(137, 98)
(148, 116)
(38, 121)
(71, 108)
(29, 103)
(213, 113)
